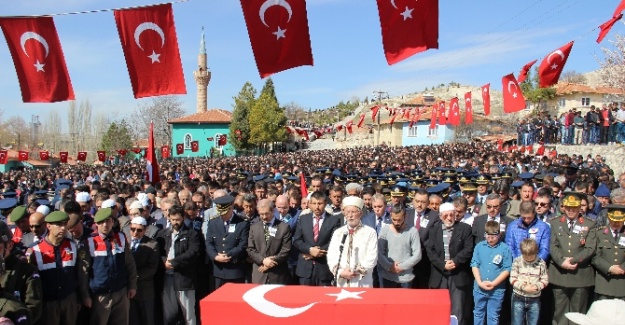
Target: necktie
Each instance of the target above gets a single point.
(615, 235)
(226, 225)
(266, 232)
(378, 226)
(418, 223)
(316, 228)
(135, 244)
(571, 223)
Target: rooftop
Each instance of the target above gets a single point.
(566, 88)
(211, 116)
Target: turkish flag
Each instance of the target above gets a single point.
(468, 109)
(151, 165)
(499, 144)
(122, 152)
(374, 112)
(605, 27)
(4, 157)
(486, 98)
(415, 116)
(530, 149)
(348, 126)
(38, 59)
(513, 100)
(63, 156)
(289, 130)
(552, 65)
(619, 9)
(442, 118)
(82, 156)
(553, 153)
(279, 35)
(454, 112)
(195, 146)
(526, 68)
(22, 155)
(339, 128)
(302, 185)
(433, 118)
(541, 150)
(179, 149)
(408, 28)
(522, 149)
(148, 38)
(318, 133)
(165, 152)
(44, 155)
(361, 120)
(101, 155)
(393, 118)
(223, 140)
(513, 148)
(136, 150)
(406, 114)
(305, 134)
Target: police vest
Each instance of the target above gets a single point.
(108, 270)
(59, 281)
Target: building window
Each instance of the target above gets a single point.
(187, 141)
(585, 101)
(412, 131)
(433, 132)
(562, 102)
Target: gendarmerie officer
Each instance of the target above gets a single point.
(609, 260)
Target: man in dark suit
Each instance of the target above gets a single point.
(421, 217)
(312, 239)
(375, 219)
(450, 247)
(163, 223)
(146, 254)
(180, 249)
(493, 208)
(268, 246)
(226, 243)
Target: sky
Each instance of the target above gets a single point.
(479, 42)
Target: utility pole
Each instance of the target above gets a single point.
(379, 95)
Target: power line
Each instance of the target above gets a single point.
(94, 11)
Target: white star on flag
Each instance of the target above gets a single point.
(39, 66)
(407, 13)
(154, 56)
(280, 33)
(514, 95)
(485, 90)
(554, 66)
(344, 294)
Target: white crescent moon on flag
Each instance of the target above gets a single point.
(511, 83)
(393, 4)
(145, 26)
(558, 52)
(255, 297)
(270, 3)
(32, 35)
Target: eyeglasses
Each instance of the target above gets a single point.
(35, 226)
(136, 230)
(542, 204)
(491, 235)
(492, 207)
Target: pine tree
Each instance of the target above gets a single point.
(243, 103)
(267, 119)
(117, 136)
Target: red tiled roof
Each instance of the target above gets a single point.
(210, 116)
(566, 88)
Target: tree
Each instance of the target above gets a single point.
(267, 119)
(573, 76)
(158, 110)
(294, 111)
(17, 132)
(52, 131)
(117, 136)
(535, 94)
(612, 70)
(243, 103)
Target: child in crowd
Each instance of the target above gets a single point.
(491, 264)
(528, 278)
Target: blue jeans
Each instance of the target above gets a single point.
(487, 306)
(525, 308)
(620, 132)
(564, 137)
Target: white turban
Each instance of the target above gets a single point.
(445, 207)
(353, 201)
(136, 205)
(43, 209)
(83, 197)
(108, 204)
(139, 221)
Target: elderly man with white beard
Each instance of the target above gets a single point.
(353, 251)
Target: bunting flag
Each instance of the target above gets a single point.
(22, 155)
(148, 38)
(486, 99)
(122, 152)
(513, 100)
(454, 112)
(44, 155)
(361, 120)
(195, 146)
(136, 150)
(4, 157)
(393, 118)
(63, 156)
(541, 150)
(468, 109)
(101, 155)
(526, 68)
(442, 118)
(552, 65)
(305, 134)
(278, 31)
(302, 185)
(408, 30)
(522, 149)
(433, 117)
(500, 144)
(374, 112)
(179, 149)
(406, 113)
(619, 9)
(318, 133)
(151, 164)
(348, 126)
(82, 156)
(165, 153)
(289, 129)
(38, 59)
(418, 113)
(605, 27)
(339, 127)
(530, 149)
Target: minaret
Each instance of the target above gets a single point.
(202, 77)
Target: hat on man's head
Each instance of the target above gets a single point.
(139, 221)
(445, 207)
(43, 209)
(108, 204)
(102, 215)
(468, 187)
(616, 212)
(135, 205)
(9, 203)
(601, 312)
(398, 191)
(223, 204)
(483, 180)
(18, 213)
(56, 216)
(353, 201)
(572, 199)
(83, 197)
(602, 191)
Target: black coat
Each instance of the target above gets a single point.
(303, 241)
(479, 227)
(187, 253)
(460, 251)
(234, 244)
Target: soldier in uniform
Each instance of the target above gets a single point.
(572, 247)
(609, 261)
(56, 257)
(10, 308)
(18, 222)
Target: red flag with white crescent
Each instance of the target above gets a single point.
(513, 100)
(101, 155)
(406, 114)
(524, 71)
(393, 118)
(122, 152)
(63, 156)
(44, 155)
(165, 152)
(82, 156)
(348, 126)
(552, 66)
(433, 117)
(468, 109)
(442, 114)
(374, 112)
(454, 112)
(605, 28)
(195, 146)
(302, 185)
(4, 157)
(179, 149)
(150, 159)
(541, 150)
(361, 120)
(486, 98)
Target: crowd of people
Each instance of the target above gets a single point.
(514, 238)
(596, 126)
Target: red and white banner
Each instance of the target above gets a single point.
(468, 109)
(63, 156)
(22, 155)
(442, 114)
(165, 152)
(486, 98)
(148, 38)
(513, 100)
(38, 59)
(361, 120)
(101, 155)
(179, 149)
(44, 155)
(454, 112)
(408, 27)
(151, 165)
(4, 157)
(82, 156)
(195, 146)
(278, 31)
(526, 68)
(552, 66)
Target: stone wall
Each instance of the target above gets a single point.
(614, 155)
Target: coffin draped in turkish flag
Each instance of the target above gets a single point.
(38, 59)
(408, 27)
(278, 31)
(148, 37)
(303, 305)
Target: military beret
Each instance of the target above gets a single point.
(57, 216)
(102, 215)
(18, 213)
